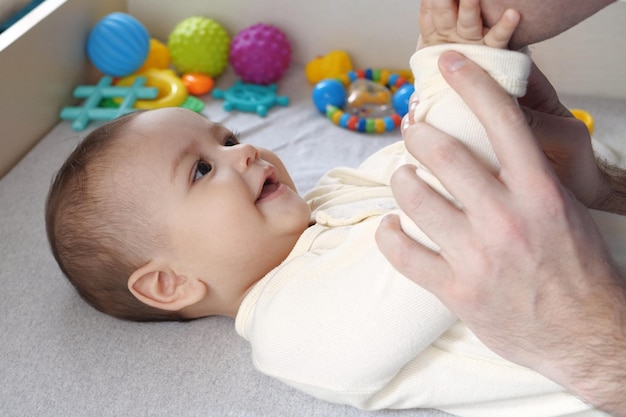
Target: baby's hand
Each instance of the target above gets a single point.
(445, 21)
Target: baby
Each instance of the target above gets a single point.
(163, 215)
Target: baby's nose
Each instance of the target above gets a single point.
(246, 155)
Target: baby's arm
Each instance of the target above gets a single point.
(443, 21)
(451, 25)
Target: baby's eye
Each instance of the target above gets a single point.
(231, 141)
(202, 168)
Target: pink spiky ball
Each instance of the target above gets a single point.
(260, 54)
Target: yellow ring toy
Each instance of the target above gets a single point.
(172, 91)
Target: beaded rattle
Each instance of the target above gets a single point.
(329, 96)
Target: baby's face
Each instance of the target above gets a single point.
(230, 211)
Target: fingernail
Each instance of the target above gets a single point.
(387, 218)
(452, 61)
(405, 123)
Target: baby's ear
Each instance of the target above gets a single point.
(158, 286)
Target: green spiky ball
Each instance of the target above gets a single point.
(199, 44)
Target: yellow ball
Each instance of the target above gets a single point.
(585, 117)
(158, 56)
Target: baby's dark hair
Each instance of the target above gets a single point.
(99, 236)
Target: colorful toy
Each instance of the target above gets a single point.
(251, 98)
(585, 117)
(401, 99)
(326, 98)
(332, 65)
(260, 54)
(329, 93)
(368, 99)
(193, 103)
(103, 90)
(198, 44)
(172, 91)
(197, 83)
(158, 56)
(118, 44)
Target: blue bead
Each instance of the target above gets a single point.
(368, 73)
(401, 99)
(389, 125)
(343, 120)
(392, 79)
(361, 124)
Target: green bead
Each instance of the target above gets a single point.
(193, 103)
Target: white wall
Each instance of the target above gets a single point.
(42, 59)
(588, 59)
(375, 33)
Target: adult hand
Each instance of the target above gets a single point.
(567, 145)
(521, 262)
(565, 141)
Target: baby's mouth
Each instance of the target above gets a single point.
(268, 188)
(270, 185)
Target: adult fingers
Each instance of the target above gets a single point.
(408, 257)
(469, 181)
(541, 95)
(436, 215)
(556, 133)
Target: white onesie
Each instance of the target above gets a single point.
(337, 321)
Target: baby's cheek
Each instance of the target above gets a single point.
(268, 155)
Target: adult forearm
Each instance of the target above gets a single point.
(615, 179)
(541, 19)
(595, 369)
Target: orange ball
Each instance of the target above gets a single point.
(197, 83)
(158, 56)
